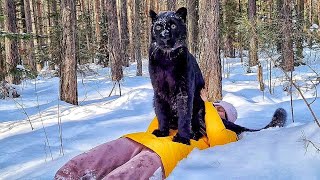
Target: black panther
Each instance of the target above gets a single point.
(176, 78)
(177, 81)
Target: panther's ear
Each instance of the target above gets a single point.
(153, 15)
(182, 13)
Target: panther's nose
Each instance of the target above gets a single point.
(164, 33)
(165, 40)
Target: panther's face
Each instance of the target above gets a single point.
(168, 29)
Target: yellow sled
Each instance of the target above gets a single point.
(171, 152)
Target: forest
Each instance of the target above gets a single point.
(74, 75)
(65, 35)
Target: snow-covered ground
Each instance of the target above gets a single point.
(277, 153)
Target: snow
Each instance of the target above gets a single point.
(276, 153)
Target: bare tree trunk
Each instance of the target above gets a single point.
(125, 43)
(171, 5)
(87, 21)
(11, 43)
(40, 41)
(114, 41)
(97, 20)
(2, 49)
(144, 31)
(310, 12)
(137, 36)
(22, 29)
(193, 28)
(260, 77)
(210, 61)
(2, 62)
(131, 29)
(30, 57)
(279, 24)
(55, 34)
(286, 29)
(163, 5)
(104, 36)
(299, 40)
(154, 5)
(229, 15)
(68, 68)
(318, 13)
(253, 42)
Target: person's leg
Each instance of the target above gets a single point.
(100, 160)
(142, 166)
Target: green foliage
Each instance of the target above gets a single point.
(86, 46)
(1, 18)
(22, 73)
(17, 36)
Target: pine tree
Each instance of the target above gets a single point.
(210, 61)
(286, 30)
(253, 42)
(114, 41)
(193, 26)
(137, 36)
(229, 15)
(11, 43)
(68, 67)
(171, 5)
(124, 31)
(299, 39)
(30, 57)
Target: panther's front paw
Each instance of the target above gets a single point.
(159, 133)
(179, 139)
(196, 136)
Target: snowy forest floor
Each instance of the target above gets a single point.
(276, 153)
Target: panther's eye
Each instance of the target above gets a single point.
(158, 27)
(173, 26)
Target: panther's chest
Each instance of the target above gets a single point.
(165, 79)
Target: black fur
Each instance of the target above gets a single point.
(279, 119)
(176, 78)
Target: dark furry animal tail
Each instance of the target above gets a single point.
(279, 119)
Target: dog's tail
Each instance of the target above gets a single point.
(279, 119)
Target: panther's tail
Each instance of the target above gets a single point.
(279, 119)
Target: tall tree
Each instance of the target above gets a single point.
(145, 32)
(130, 5)
(97, 20)
(114, 41)
(2, 62)
(286, 30)
(171, 5)
(55, 33)
(68, 68)
(2, 48)
(125, 43)
(30, 57)
(104, 36)
(210, 61)
(253, 41)
(11, 46)
(300, 22)
(229, 18)
(193, 26)
(318, 13)
(40, 35)
(154, 5)
(2, 58)
(137, 36)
